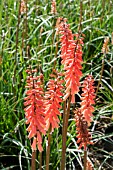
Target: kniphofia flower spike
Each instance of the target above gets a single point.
(87, 98)
(35, 109)
(84, 136)
(71, 54)
(53, 99)
(53, 7)
(23, 7)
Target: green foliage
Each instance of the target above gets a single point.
(35, 45)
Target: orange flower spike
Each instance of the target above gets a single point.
(53, 99)
(66, 38)
(73, 67)
(84, 137)
(105, 47)
(22, 7)
(87, 98)
(35, 109)
(53, 7)
(71, 54)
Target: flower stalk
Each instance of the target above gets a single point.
(48, 149)
(53, 99)
(85, 159)
(105, 50)
(64, 131)
(83, 116)
(35, 112)
(71, 54)
(33, 162)
(83, 135)
(40, 161)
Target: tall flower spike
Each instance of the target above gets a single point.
(53, 7)
(105, 47)
(71, 54)
(53, 99)
(87, 98)
(84, 137)
(23, 7)
(35, 109)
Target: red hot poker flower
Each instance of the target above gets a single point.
(71, 54)
(67, 36)
(53, 7)
(53, 99)
(73, 67)
(35, 109)
(87, 98)
(84, 137)
(22, 7)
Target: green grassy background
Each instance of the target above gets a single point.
(36, 33)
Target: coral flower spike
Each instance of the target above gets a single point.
(87, 98)
(83, 135)
(53, 7)
(35, 109)
(53, 99)
(71, 54)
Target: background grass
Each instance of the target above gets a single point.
(31, 40)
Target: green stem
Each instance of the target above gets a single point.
(26, 26)
(16, 51)
(53, 35)
(111, 59)
(17, 31)
(103, 11)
